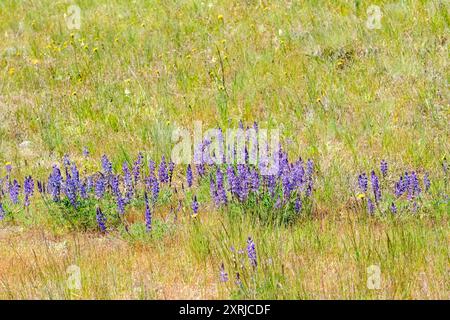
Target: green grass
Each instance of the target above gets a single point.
(341, 94)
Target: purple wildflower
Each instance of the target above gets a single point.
(2, 212)
(137, 167)
(71, 191)
(75, 176)
(100, 187)
(189, 175)
(426, 182)
(309, 169)
(232, 180)
(128, 182)
(155, 189)
(40, 187)
(106, 165)
(171, 168)
(8, 168)
(413, 186)
(148, 214)
(83, 191)
(362, 182)
(85, 152)
(28, 187)
(212, 189)
(195, 205)
(251, 252)
(221, 193)
(101, 220)
(375, 186)
(162, 172)
(298, 205)
(384, 167)
(54, 183)
(223, 274)
(14, 190)
(393, 208)
(370, 206)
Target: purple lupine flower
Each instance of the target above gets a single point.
(200, 169)
(393, 208)
(89, 184)
(426, 182)
(28, 189)
(85, 152)
(309, 169)
(298, 175)
(298, 205)
(251, 252)
(66, 161)
(162, 172)
(384, 167)
(238, 280)
(254, 180)
(14, 190)
(54, 183)
(70, 190)
(137, 167)
(223, 274)
(212, 189)
(128, 182)
(232, 180)
(375, 186)
(363, 182)
(278, 203)
(255, 126)
(115, 188)
(309, 188)
(151, 167)
(120, 203)
(40, 187)
(413, 186)
(101, 220)
(75, 176)
(286, 182)
(244, 183)
(221, 193)
(399, 187)
(8, 168)
(106, 165)
(171, 168)
(220, 141)
(83, 191)
(100, 187)
(2, 212)
(155, 189)
(370, 206)
(271, 184)
(189, 175)
(195, 205)
(148, 214)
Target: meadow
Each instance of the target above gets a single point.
(92, 206)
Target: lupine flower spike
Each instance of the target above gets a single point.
(148, 214)
(101, 220)
(195, 206)
(251, 252)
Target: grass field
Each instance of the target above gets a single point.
(347, 84)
